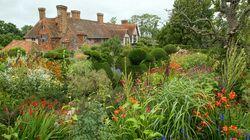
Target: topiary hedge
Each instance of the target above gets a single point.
(158, 54)
(170, 48)
(136, 56)
(15, 51)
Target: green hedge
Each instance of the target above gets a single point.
(158, 54)
(136, 56)
(15, 51)
(171, 48)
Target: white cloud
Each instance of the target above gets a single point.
(24, 12)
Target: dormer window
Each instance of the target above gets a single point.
(43, 27)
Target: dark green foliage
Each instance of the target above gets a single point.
(56, 54)
(105, 66)
(5, 39)
(8, 32)
(170, 48)
(120, 62)
(25, 29)
(137, 70)
(136, 56)
(114, 45)
(146, 42)
(94, 55)
(16, 51)
(158, 54)
(188, 47)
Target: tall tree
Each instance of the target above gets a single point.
(8, 32)
(147, 23)
(176, 31)
(25, 29)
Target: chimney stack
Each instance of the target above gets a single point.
(76, 14)
(42, 14)
(100, 18)
(124, 21)
(62, 17)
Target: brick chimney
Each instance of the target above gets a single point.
(42, 13)
(100, 18)
(76, 14)
(124, 21)
(62, 17)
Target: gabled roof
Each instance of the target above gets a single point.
(28, 46)
(91, 29)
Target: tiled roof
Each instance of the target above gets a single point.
(92, 29)
(26, 45)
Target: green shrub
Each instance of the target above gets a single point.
(158, 54)
(90, 124)
(136, 56)
(105, 66)
(93, 54)
(170, 48)
(15, 51)
(81, 73)
(22, 82)
(56, 54)
(187, 47)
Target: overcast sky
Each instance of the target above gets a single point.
(24, 12)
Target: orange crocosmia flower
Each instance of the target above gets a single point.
(123, 115)
(223, 99)
(30, 112)
(233, 127)
(114, 118)
(232, 95)
(219, 95)
(204, 124)
(121, 108)
(218, 103)
(225, 128)
(206, 114)
(223, 90)
(35, 104)
(116, 112)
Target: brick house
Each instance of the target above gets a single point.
(69, 30)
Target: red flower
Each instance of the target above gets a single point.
(204, 124)
(114, 118)
(116, 112)
(232, 95)
(148, 109)
(223, 99)
(35, 103)
(50, 106)
(43, 103)
(233, 127)
(233, 138)
(30, 112)
(219, 95)
(223, 90)
(225, 129)
(218, 103)
(123, 115)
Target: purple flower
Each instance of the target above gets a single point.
(163, 137)
(222, 117)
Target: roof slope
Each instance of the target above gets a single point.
(26, 45)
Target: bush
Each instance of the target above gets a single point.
(94, 55)
(120, 63)
(81, 73)
(136, 56)
(158, 54)
(170, 48)
(56, 54)
(105, 66)
(90, 124)
(15, 51)
(22, 82)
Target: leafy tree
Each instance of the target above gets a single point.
(175, 31)
(113, 20)
(8, 32)
(25, 29)
(147, 23)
